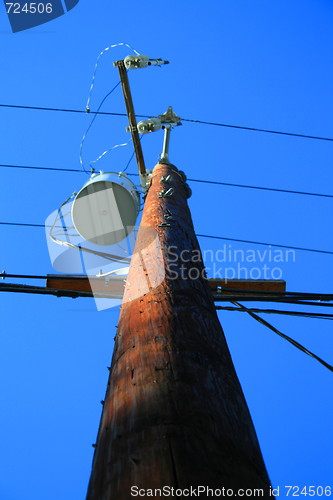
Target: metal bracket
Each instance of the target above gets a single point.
(166, 121)
(166, 192)
(170, 117)
(165, 224)
(165, 180)
(141, 61)
(132, 121)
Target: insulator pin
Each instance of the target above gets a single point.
(137, 61)
(151, 125)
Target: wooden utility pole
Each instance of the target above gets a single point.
(174, 413)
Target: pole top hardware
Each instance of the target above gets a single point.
(169, 119)
(133, 62)
(141, 61)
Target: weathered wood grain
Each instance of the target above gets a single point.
(174, 412)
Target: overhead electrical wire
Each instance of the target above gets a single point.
(260, 187)
(255, 298)
(286, 337)
(301, 295)
(24, 224)
(254, 129)
(97, 64)
(278, 300)
(240, 127)
(277, 297)
(278, 311)
(30, 167)
(4, 165)
(92, 121)
(265, 244)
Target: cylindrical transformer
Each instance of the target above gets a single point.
(106, 208)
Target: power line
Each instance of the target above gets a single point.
(303, 295)
(279, 300)
(227, 125)
(45, 291)
(304, 136)
(23, 224)
(277, 297)
(260, 187)
(65, 110)
(94, 118)
(277, 311)
(265, 244)
(2, 223)
(4, 165)
(286, 337)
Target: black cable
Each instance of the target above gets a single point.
(292, 295)
(22, 224)
(3, 165)
(299, 295)
(4, 275)
(265, 244)
(131, 158)
(258, 129)
(129, 162)
(241, 127)
(277, 311)
(40, 290)
(277, 300)
(262, 188)
(92, 121)
(226, 298)
(40, 108)
(289, 339)
(200, 236)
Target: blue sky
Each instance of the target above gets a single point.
(259, 64)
